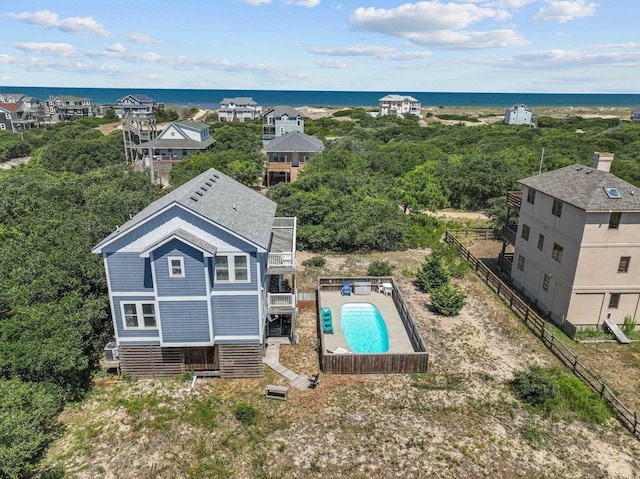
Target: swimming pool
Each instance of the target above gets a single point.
(364, 328)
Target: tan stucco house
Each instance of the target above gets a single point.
(577, 245)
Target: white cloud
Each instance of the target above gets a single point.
(331, 64)
(383, 53)
(309, 3)
(558, 59)
(257, 2)
(510, 4)
(440, 25)
(49, 20)
(422, 17)
(57, 49)
(303, 3)
(138, 37)
(6, 59)
(564, 11)
(116, 48)
(451, 40)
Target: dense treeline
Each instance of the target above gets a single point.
(54, 308)
(347, 198)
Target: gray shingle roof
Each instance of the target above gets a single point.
(239, 100)
(179, 143)
(188, 237)
(583, 187)
(141, 97)
(397, 98)
(192, 124)
(295, 141)
(278, 111)
(219, 198)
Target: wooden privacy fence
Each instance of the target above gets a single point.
(538, 325)
(385, 363)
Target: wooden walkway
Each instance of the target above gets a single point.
(272, 359)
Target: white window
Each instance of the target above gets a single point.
(176, 267)
(3, 126)
(233, 268)
(139, 315)
(7, 116)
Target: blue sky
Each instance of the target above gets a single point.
(555, 46)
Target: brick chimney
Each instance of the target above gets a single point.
(602, 161)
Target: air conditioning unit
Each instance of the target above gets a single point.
(111, 352)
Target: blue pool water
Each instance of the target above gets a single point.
(364, 328)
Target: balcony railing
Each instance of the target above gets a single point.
(509, 233)
(281, 302)
(514, 199)
(281, 260)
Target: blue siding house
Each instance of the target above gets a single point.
(199, 278)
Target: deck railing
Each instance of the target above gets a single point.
(281, 300)
(386, 363)
(538, 326)
(281, 260)
(509, 233)
(514, 199)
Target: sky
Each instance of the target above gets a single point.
(545, 46)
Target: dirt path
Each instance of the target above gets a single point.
(13, 162)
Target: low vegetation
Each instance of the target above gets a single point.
(368, 192)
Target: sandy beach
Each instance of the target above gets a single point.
(490, 114)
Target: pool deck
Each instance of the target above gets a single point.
(398, 340)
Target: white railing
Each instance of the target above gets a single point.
(281, 260)
(284, 222)
(281, 300)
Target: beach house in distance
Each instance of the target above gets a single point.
(518, 114)
(279, 121)
(577, 245)
(199, 279)
(239, 108)
(178, 140)
(399, 105)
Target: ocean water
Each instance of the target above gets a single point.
(297, 98)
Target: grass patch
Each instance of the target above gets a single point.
(202, 413)
(553, 392)
(445, 382)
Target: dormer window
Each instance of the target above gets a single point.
(614, 220)
(176, 267)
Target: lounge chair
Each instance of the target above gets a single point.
(346, 289)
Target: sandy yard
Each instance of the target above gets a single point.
(458, 420)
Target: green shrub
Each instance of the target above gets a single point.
(554, 391)
(629, 325)
(433, 273)
(535, 387)
(315, 261)
(380, 267)
(246, 414)
(447, 300)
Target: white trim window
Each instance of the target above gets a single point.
(176, 266)
(139, 315)
(232, 268)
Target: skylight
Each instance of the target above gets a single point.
(613, 193)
